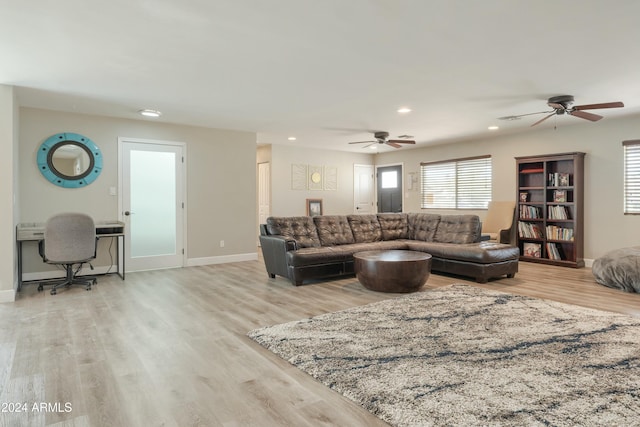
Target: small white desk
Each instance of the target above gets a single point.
(34, 231)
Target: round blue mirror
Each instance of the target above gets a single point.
(69, 160)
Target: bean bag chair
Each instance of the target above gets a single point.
(619, 269)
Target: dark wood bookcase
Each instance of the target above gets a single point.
(550, 194)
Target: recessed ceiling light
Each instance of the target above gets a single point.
(150, 113)
(403, 110)
(292, 138)
(493, 128)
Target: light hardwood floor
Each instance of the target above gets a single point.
(168, 347)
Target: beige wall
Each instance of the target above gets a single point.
(606, 227)
(220, 178)
(9, 210)
(288, 202)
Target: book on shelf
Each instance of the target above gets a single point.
(531, 249)
(563, 180)
(529, 230)
(558, 212)
(559, 196)
(558, 179)
(530, 212)
(559, 233)
(554, 252)
(532, 170)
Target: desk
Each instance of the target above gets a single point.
(34, 231)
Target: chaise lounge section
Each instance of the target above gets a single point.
(302, 248)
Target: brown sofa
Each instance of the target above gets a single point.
(301, 248)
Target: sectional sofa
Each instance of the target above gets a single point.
(302, 248)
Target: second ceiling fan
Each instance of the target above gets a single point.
(563, 104)
(382, 138)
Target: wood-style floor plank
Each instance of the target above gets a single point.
(169, 347)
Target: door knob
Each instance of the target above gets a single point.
(127, 213)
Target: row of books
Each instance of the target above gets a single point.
(559, 233)
(529, 230)
(558, 179)
(555, 212)
(553, 252)
(530, 212)
(533, 250)
(558, 212)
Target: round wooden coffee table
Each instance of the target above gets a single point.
(392, 271)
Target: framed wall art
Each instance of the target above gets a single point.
(298, 177)
(314, 207)
(315, 177)
(330, 178)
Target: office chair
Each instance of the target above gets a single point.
(69, 239)
(498, 225)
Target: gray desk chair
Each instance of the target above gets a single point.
(69, 239)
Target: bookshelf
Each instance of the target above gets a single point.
(550, 194)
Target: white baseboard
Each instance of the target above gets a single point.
(7, 296)
(55, 274)
(193, 262)
(588, 262)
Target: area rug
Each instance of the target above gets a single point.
(461, 355)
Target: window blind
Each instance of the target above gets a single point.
(456, 184)
(631, 176)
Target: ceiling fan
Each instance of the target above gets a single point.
(382, 138)
(563, 104)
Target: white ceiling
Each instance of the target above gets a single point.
(325, 71)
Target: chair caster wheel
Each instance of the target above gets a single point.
(53, 292)
(40, 288)
(88, 288)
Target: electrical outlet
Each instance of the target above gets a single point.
(112, 191)
(222, 243)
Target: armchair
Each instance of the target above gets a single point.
(498, 225)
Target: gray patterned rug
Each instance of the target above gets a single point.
(461, 355)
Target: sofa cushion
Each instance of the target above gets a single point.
(302, 229)
(422, 226)
(341, 253)
(393, 226)
(458, 229)
(365, 228)
(480, 253)
(333, 230)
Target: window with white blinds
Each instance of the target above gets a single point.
(632, 176)
(456, 184)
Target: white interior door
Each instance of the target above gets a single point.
(363, 189)
(152, 203)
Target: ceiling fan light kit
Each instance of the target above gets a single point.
(563, 104)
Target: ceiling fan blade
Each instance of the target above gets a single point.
(401, 141)
(598, 106)
(361, 142)
(543, 119)
(585, 115)
(517, 117)
(393, 144)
